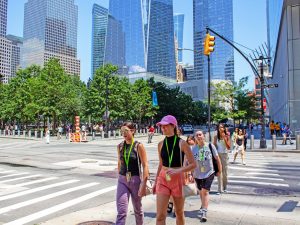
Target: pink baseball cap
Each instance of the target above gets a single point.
(167, 120)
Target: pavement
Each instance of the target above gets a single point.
(223, 209)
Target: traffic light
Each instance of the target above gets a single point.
(209, 44)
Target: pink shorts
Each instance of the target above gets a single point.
(170, 188)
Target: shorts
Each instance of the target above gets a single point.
(205, 183)
(170, 188)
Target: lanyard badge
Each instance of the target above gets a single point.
(126, 159)
(168, 177)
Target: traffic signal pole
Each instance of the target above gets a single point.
(208, 96)
(262, 82)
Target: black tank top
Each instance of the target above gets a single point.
(176, 155)
(133, 165)
(239, 141)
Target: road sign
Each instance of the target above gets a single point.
(270, 86)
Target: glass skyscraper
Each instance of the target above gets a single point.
(218, 15)
(107, 39)
(130, 14)
(178, 29)
(161, 44)
(50, 30)
(3, 17)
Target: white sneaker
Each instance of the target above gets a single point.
(204, 215)
(244, 163)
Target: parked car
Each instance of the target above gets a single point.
(187, 129)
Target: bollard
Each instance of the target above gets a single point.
(274, 142)
(102, 134)
(19, 133)
(42, 134)
(114, 133)
(298, 142)
(29, 133)
(93, 136)
(252, 142)
(109, 134)
(35, 134)
(24, 133)
(0, 132)
(14, 133)
(119, 133)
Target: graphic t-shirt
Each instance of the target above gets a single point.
(203, 158)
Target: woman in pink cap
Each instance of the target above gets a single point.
(169, 177)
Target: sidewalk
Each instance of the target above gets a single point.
(224, 209)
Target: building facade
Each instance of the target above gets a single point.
(108, 41)
(161, 44)
(50, 30)
(16, 43)
(3, 17)
(218, 15)
(178, 29)
(284, 42)
(130, 14)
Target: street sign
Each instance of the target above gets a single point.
(270, 86)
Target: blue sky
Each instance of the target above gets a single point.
(249, 18)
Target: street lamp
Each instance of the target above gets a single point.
(263, 142)
(106, 106)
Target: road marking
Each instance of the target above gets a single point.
(259, 178)
(13, 175)
(252, 169)
(257, 182)
(36, 189)
(263, 174)
(35, 181)
(7, 171)
(20, 178)
(59, 207)
(43, 198)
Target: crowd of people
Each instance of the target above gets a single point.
(281, 130)
(193, 160)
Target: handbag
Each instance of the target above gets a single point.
(189, 187)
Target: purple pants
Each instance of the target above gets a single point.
(124, 191)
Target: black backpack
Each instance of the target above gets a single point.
(215, 163)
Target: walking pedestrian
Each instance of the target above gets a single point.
(272, 127)
(169, 177)
(239, 147)
(150, 133)
(47, 135)
(222, 143)
(204, 173)
(130, 182)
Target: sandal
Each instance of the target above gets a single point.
(170, 207)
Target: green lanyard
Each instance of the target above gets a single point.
(201, 153)
(127, 156)
(170, 157)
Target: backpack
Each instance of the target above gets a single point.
(215, 163)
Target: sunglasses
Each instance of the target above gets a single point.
(125, 130)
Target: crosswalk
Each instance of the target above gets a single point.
(27, 198)
(259, 173)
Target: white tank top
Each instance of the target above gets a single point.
(221, 147)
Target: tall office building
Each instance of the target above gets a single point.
(161, 44)
(218, 15)
(16, 43)
(3, 17)
(130, 14)
(178, 29)
(108, 43)
(5, 45)
(283, 18)
(50, 30)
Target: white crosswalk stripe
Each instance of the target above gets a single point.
(51, 196)
(259, 172)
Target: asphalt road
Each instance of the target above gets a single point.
(39, 182)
